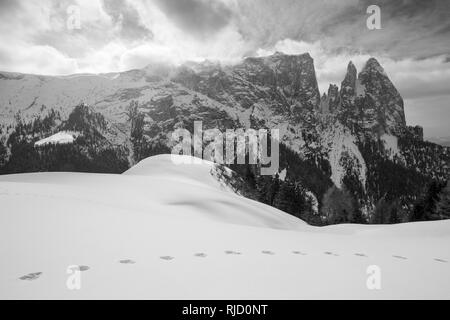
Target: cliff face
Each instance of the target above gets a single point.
(348, 87)
(285, 84)
(381, 104)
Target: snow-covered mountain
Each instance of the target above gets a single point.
(167, 231)
(354, 138)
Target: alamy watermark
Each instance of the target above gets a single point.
(73, 17)
(74, 279)
(373, 22)
(73, 22)
(242, 146)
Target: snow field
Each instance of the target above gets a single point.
(190, 238)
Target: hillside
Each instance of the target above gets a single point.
(354, 138)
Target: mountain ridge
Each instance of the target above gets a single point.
(350, 137)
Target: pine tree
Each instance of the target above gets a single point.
(387, 212)
(425, 207)
(3, 154)
(285, 198)
(394, 214)
(267, 188)
(357, 216)
(337, 206)
(274, 187)
(443, 205)
(249, 176)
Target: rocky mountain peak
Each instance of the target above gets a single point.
(382, 105)
(373, 64)
(348, 87)
(368, 101)
(349, 82)
(351, 69)
(334, 98)
(292, 76)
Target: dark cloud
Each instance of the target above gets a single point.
(9, 5)
(410, 8)
(9, 8)
(199, 17)
(125, 15)
(410, 28)
(414, 28)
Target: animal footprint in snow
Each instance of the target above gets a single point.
(200, 255)
(400, 257)
(360, 255)
(232, 252)
(127, 261)
(299, 252)
(268, 252)
(167, 258)
(31, 276)
(83, 268)
(440, 260)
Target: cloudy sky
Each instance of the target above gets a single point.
(413, 43)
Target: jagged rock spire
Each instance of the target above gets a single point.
(369, 101)
(382, 109)
(348, 86)
(334, 98)
(350, 77)
(330, 101)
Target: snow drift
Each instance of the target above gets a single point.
(62, 137)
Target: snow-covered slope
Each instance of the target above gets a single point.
(34, 95)
(343, 153)
(167, 231)
(277, 92)
(62, 137)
